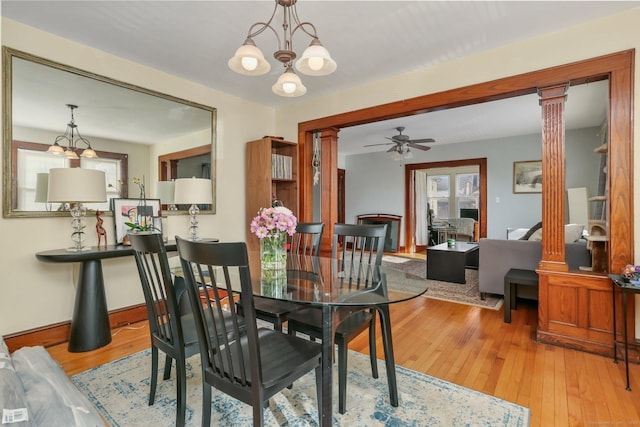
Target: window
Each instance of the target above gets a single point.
(31, 158)
(438, 195)
(467, 191)
(31, 163)
(446, 203)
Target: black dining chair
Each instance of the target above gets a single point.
(356, 250)
(171, 331)
(304, 247)
(260, 363)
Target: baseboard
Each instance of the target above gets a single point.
(58, 333)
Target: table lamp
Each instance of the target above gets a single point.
(76, 186)
(165, 191)
(193, 191)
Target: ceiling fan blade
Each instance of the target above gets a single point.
(421, 141)
(394, 148)
(419, 147)
(373, 145)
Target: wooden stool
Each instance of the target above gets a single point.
(515, 277)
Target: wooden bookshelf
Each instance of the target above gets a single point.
(271, 171)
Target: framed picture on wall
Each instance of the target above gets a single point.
(527, 176)
(137, 211)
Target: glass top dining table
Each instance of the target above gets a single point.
(320, 282)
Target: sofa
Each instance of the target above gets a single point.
(497, 256)
(35, 391)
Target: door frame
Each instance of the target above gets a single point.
(617, 67)
(409, 200)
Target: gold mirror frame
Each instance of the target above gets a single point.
(7, 90)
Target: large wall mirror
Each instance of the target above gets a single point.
(129, 127)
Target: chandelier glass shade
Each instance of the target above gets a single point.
(315, 60)
(71, 137)
(289, 84)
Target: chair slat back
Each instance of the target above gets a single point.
(214, 272)
(158, 288)
(356, 251)
(304, 246)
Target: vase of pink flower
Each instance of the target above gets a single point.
(272, 225)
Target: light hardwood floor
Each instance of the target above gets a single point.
(474, 348)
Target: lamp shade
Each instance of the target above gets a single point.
(289, 84)
(42, 187)
(77, 185)
(165, 191)
(193, 191)
(249, 60)
(316, 60)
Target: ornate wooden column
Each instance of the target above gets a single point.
(329, 183)
(552, 100)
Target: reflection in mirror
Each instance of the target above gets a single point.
(129, 127)
(194, 162)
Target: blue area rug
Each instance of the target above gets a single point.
(120, 391)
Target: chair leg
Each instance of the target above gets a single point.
(319, 392)
(167, 367)
(277, 324)
(181, 380)
(206, 405)
(385, 324)
(343, 348)
(258, 413)
(154, 374)
(373, 356)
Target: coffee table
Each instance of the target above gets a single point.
(448, 263)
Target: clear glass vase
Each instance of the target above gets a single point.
(273, 264)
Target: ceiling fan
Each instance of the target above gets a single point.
(401, 144)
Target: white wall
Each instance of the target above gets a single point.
(375, 182)
(600, 37)
(36, 294)
(33, 293)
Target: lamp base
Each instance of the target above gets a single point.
(193, 223)
(78, 212)
(80, 249)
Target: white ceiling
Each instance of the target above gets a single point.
(369, 40)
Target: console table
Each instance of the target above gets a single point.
(625, 288)
(90, 327)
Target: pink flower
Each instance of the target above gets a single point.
(273, 221)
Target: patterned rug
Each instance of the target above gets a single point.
(120, 392)
(467, 293)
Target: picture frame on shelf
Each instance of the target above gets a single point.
(527, 177)
(136, 211)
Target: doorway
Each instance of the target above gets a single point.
(412, 244)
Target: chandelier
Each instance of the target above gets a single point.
(315, 60)
(72, 136)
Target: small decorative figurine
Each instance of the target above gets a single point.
(100, 229)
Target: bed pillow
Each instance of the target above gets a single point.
(14, 410)
(573, 232)
(536, 235)
(532, 230)
(53, 399)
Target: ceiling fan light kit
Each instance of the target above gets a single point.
(401, 144)
(315, 61)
